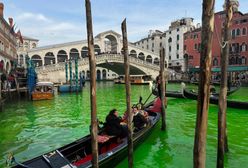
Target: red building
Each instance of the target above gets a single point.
(238, 55)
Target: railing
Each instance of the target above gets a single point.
(100, 59)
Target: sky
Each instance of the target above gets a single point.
(60, 21)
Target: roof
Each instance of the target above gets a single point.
(44, 84)
(29, 38)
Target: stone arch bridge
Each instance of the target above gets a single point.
(50, 60)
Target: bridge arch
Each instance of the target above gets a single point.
(62, 56)
(104, 74)
(74, 54)
(98, 74)
(49, 58)
(110, 43)
(36, 60)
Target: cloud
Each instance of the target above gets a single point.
(27, 16)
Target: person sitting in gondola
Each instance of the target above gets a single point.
(113, 126)
(139, 120)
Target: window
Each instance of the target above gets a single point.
(177, 37)
(169, 32)
(233, 33)
(147, 47)
(178, 29)
(184, 47)
(169, 48)
(160, 44)
(161, 38)
(195, 46)
(244, 47)
(244, 31)
(152, 45)
(215, 62)
(169, 57)
(170, 40)
(177, 46)
(237, 32)
(177, 56)
(152, 38)
(243, 60)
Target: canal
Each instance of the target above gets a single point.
(29, 129)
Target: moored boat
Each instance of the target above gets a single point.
(43, 91)
(78, 153)
(69, 88)
(215, 100)
(135, 79)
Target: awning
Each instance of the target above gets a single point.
(229, 69)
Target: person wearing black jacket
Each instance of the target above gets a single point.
(113, 125)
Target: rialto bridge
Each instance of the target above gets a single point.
(50, 60)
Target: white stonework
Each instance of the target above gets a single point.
(28, 43)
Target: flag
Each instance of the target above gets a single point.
(19, 35)
(12, 29)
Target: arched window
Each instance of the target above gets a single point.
(244, 47)
(233, 33)
(170, 40)
(74, 53)
(149, 58)
(84, 52)
(244, 31)
(36, 60)
(133, 53)
(156, 61)
(33, 45)
(141, 56)
(215, 62)
(97, 49)
(62, 56)
(49, 58)
(243, 60)
(238, 32)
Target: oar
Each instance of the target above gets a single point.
(148, 98)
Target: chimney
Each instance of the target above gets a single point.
(1, 9)
(11, 22)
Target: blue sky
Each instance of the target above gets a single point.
(59, 21)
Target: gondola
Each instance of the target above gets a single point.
(176, 94)
(215, 100)
(229, 92)
(78, 153)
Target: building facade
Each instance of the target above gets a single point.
(153, 42)
(174, 42)
(171, 40)
(24, 46)
(238, 50)
(8, 43)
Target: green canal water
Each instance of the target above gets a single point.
(29, 129)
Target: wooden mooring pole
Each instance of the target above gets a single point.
(92, 61)
(162, 85)
(128, 92)
(222, 132)
(204, 83)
